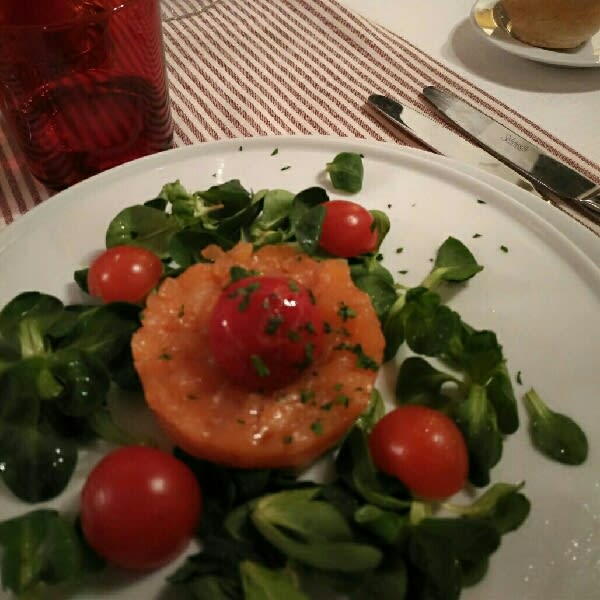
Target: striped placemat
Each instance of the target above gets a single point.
(280, 67)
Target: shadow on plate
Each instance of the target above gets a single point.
(493, 64)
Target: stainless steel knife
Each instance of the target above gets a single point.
(443, 140)
(517, 152)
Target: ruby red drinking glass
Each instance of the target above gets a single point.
(83, 84)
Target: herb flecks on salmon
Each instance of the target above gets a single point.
(227, 423)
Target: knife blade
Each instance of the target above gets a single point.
(441, 140)
(518, 153)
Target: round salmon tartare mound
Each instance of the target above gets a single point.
(211, 417)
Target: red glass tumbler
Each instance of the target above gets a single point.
(83, 84)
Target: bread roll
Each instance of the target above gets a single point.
(553, 23)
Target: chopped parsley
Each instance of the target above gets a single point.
(273, 324)
(316, 427)
(165, 356)
(285, 168)
(345, 312)
(480, 201)
(363, 360)
(244, 293)
(259, 366)
(519, 380)
(342, 399)
(236, 273)
(275, 152)
(476, 235)
(308, 356)
(288, 439)
(504, 248)
(308, 326)
(306, 395)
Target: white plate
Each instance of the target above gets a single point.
(542, 297)
(490, 20)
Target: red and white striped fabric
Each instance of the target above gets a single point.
(279, 67)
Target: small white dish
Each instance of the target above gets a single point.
(491, 22)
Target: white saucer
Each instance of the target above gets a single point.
(490, 20)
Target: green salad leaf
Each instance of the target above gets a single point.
(346, 172)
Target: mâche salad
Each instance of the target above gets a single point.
(254, 325)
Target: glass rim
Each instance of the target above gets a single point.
(106, 13)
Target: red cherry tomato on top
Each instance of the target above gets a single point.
(264, 331)
(125, 273)
(347, 229)
(140, 507)
(423, 448)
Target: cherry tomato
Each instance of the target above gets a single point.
(125, 273)
(264, 331)
(140, 507)
(347, 229)
(423, 448)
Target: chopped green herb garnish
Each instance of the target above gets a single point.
(306, 395)
(308, 326)
(308, 356)
(363, 360)
(476, 235)
(240, 148)
(294, 287)
(403, 271)
(504, 248)
(293, 336)
(285, 168)
(345, 312)
(288, 439)
(480, 201)
(259, 366)
(273, 324)
(399, 250)
(338, 386)
(165, 356)
(518, 378)
(244, 293)
(342, 399)
(326, 406)
(326, 327)
(236, 273)
(317, 427)
(275, 151)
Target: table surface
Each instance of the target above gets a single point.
(564, 101)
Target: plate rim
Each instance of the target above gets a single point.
(516, 47)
